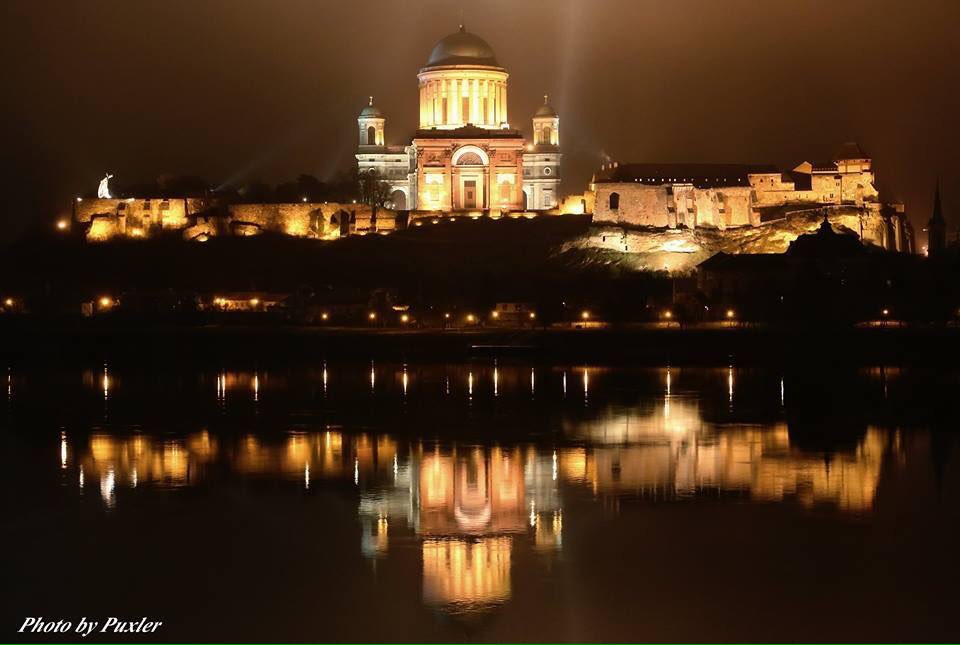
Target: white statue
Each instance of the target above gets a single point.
(103, 192)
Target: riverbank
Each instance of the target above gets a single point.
(697, 345)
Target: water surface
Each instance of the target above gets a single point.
(484, 501)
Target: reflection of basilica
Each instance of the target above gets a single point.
(475, 511)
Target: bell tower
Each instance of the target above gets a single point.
(541, 161)
(371, 124)
(546, 125)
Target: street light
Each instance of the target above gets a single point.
(470, 318)
(532, 315)
(404, 318)
(372, 315)
(585, 315)
(62, 225)
(324, 316)
(730, 313)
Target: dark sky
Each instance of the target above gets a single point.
(245, 89)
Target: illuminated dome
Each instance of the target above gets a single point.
(545, 110)
(462, 48)
(371, 111)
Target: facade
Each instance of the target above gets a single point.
(464, 156)
(729, 195)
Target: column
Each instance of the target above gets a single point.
(475, 101)
(503, 100)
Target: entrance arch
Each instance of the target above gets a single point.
(399, 200)
(470, 178)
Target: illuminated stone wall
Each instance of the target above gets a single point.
(673, 204)
(140, 218)
(132, 217)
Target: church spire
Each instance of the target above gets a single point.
(937, 211)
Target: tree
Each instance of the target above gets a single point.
(373, 190)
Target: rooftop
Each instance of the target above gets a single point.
(462, 48)
(701, 175)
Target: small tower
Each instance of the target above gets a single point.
(546, 125)
(936, 228)
(541, 161)
(370, 125)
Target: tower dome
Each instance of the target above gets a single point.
(462, 48)
(372, 111)
(545, 110)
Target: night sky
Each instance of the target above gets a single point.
(234, 90)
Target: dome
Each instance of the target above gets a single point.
(371, 111)
(462, 48)
(545, 110)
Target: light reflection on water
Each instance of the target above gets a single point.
(468, 500)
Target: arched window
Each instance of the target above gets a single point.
(545, 138)
(614, 201)
(469, 159)
(371, 136)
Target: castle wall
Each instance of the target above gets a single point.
(141, 218)
(684, 205)
(135, 217)
(670, 206)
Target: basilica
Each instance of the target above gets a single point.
(465, 155)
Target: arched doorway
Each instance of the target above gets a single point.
(470, 178)
(398, 199)
(371, 136)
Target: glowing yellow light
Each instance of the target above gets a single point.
(106, 301)
(8, 302)
(404, 318)
(885, 312)
(372, 315)
(495, 314)
(446, 316)
(324, 316)
(254, 302)
(470, 318)
(136, 232)
(668, 314)
(532, 315)
(304, 200)
(62, 225)
(585, 314)
(79, 199)
(730, 313)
